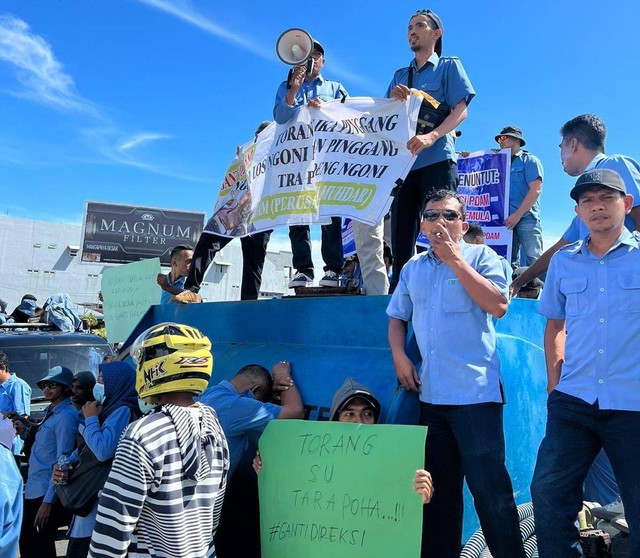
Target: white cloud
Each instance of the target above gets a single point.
(134, 141)
(187, 14)
(42, 77)
(44, 81)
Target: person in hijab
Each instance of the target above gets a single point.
(115, 405)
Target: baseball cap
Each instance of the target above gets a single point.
(599, 177)
(318, 47)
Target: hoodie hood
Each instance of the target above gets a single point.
(352, 389)
(199, 436)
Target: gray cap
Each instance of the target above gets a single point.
(350, 390)
(59, 375)
(604, 178)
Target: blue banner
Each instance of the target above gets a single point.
(484, 187)
(348, 242)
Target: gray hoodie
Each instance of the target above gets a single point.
(352, 389)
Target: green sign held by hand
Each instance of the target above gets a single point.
(331, 489)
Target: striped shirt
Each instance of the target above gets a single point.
(165, 490)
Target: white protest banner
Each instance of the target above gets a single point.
(339, 160)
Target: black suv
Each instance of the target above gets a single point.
(33, 351)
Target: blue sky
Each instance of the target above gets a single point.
(144, 101)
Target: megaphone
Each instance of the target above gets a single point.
(294, 48)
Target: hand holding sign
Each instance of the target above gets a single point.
(330, 488)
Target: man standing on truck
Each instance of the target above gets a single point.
(445, 81)
(450, 293)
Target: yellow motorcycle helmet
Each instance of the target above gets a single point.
(171, 357)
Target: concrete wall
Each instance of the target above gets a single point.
(36, 258)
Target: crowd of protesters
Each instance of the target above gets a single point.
(159, 449)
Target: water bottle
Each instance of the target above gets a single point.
(64, 463)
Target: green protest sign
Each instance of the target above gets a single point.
(330, 489)
(128, 291)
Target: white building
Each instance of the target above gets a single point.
(42, 259)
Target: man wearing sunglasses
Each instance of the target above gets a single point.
(450, 293)
(525, 186)
(444, 79)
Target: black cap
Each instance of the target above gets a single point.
(317, 46)
(438, 23)
(262, 126)
(514, 132)
(605, 178)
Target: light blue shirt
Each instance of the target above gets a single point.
(15, 396)
(102, 441)
(600, 300)
(178, 284)
(629, 170)
(319, 87)
(525, 168)
(240, 416)
(55, 437)
(456, 338)
(445, 80)
(10, 504)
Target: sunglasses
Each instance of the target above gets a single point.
(434, 214)
(50, 385)
(502, 138)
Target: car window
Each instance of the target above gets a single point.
(31, 363)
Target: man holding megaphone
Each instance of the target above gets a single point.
(305, 86)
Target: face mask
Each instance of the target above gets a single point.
(98, 393)
(146, 408)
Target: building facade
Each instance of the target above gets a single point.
(42, 259)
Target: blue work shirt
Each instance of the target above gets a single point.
(599, 297)
(456, 338)
(102, 441)
(11, 500)
(629, 170)
(446, 81)
(525, 168)
(55, 437)
(319, 87)
(240, 416)
(178, 284)
(15, 396)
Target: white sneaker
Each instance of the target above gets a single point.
(300, 280)
(330, 279)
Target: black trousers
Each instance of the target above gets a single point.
(254, 251)
(238, 533)
(331, 248)
(408, 206)
(78, 548)
(40, 544)
(467, 441)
